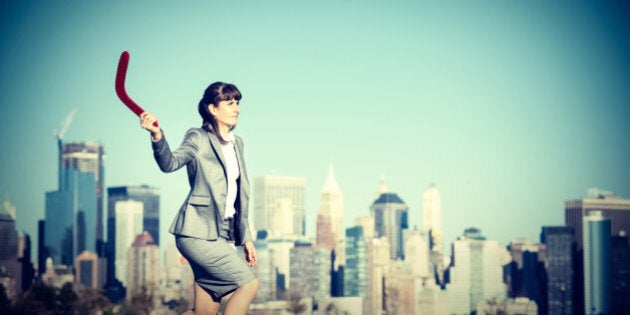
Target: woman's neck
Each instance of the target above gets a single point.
(224, 130)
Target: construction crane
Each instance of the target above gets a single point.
(63, 127)
(59, 133)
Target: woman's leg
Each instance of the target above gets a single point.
(241, 298)
(204, 304)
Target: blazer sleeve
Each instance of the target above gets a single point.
(170, 161)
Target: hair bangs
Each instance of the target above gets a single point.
(230, 92)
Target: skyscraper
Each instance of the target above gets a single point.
(59, 222)
(83, 175)
(9, 266)
(87, 270)
(610, 206)
(265, 270)
(310, 270)
(597, 263)
(431, 209)
(390, 219)
(143, 262)
(77, 205)
(476, 273)
(527, 272)
(355, 271)
(128, 225)
(620, 275)
(268, 189)
(377, 264)
(432, 224)
(330, 233)
(149, 198)
(560, 269)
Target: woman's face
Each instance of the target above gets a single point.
(225, 113)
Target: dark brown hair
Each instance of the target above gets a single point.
(216, 92)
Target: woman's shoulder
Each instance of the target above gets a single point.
(194, 134)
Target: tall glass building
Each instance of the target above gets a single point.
(355, 272)
(597, 263)
(560, 269)
(477, 272)
(611, 206)
(268, 189)
(74, 212)
(390, 219)
(149, 198)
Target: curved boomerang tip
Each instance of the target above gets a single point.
(121, 74)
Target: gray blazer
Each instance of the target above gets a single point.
(202, 212)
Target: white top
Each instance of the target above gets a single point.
(233, 172)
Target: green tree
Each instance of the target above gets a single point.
(41, 299)
(67, 299)
(5, 302)
(92, 301)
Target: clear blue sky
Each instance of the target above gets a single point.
(510, 107)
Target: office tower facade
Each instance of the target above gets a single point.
(149, 198)
(560, 269)
(355, 271)
(87, 271)
(431, 209)
(268, 189)
(83, 176)
(417, 259)
(377, 265)
(179, 281)
(390, 219)
(310, 270)
(611, 206)
(400, 290)
(282, 224)
(281, 260)
(128, 223)
(59, 221)
(265, 271)
(526, 272)
(597, 263)
(10, 268)
(25, 261)
(432, 225)
(330, 233)
(620, 274)
(77, 205)
(143, 263)
(476, 272)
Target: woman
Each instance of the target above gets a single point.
(214, 214)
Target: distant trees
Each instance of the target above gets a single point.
(43, 299)
(294, 302)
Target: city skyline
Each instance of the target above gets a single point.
(507, 108)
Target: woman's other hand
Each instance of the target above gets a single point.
(146, 121)
(250, 254)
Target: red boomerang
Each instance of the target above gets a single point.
(121, 74)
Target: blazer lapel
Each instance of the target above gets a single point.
(216, 146)
(239, 158)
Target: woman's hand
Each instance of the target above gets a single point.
(250, 254)
(146, 121)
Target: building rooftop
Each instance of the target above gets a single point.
(388, 198)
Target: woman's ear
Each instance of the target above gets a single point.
(212, 109)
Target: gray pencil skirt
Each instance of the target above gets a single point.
(216, 265)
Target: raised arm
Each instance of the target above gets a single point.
(168, 160)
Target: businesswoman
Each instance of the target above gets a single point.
(214, 214)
